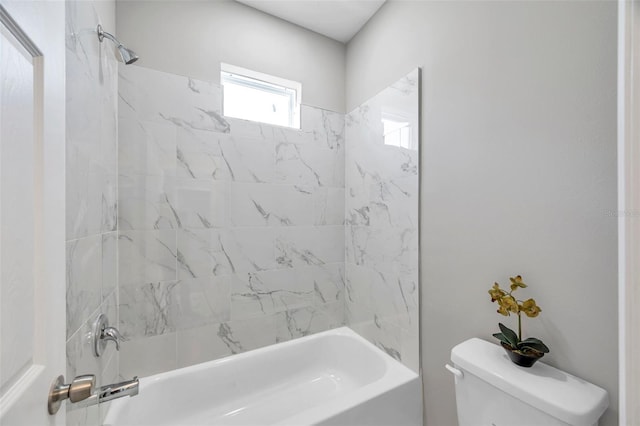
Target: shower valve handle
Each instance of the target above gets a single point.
(103, 333)
(112, 334)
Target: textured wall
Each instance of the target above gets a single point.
(231, 232)
(91, 201)
(382, 180)
(518, 172)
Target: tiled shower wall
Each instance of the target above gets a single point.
(91, 188)
(382, 182)
(231, 233)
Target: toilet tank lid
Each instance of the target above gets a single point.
(559, 394)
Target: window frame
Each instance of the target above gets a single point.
(266, 83)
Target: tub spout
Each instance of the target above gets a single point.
(117, 390)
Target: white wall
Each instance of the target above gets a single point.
(518, 172)
(191, 38)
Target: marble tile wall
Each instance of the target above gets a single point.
(91, 194)
(382, 181)
(231, 233)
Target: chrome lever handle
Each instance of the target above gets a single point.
(79, 389)
(112, 334)
(102, 334)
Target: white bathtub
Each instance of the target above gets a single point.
(331, 378)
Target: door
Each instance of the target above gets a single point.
(32, 285)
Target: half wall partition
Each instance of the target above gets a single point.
(382, 201)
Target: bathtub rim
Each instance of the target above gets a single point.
(395, 375)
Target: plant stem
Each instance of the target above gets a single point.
(519, 327)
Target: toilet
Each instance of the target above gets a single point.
(492, 391)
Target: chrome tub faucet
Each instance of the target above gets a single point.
(118, 390)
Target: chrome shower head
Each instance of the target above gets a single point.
(127, 56)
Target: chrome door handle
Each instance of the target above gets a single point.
(79, 389)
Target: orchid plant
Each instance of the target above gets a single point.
(508, 304)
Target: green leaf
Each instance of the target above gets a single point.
(529, 349)
(532, 340)
(502, 339)
(509, 334)
(534, 344)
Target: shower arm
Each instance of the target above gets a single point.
(103, 34)
(128, 56)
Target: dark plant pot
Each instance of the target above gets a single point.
(521, 359)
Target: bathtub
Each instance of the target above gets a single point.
(330, 378)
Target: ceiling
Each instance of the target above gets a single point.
(336, 19)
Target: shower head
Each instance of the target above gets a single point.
(127, 56)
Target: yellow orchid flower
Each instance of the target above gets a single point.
(496, 292)
(509, 303)
(517, 282)
(530, 308)
(503, 311)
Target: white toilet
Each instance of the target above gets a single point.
(492, 391)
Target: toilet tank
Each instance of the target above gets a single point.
(492, 391)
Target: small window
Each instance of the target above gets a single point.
(255, 96)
